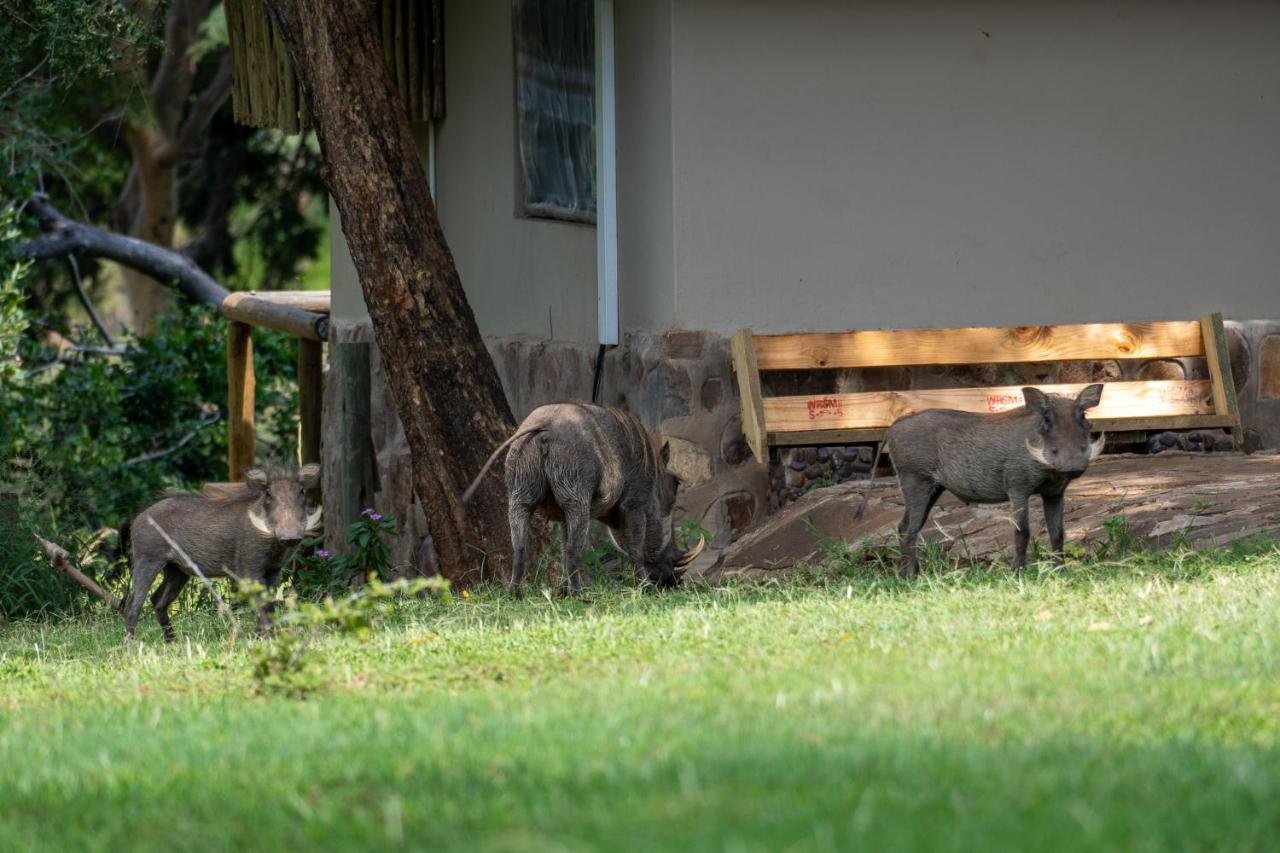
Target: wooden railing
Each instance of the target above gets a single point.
(301, 313)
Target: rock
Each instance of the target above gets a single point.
(740, 510)
(689, 462)
(1268, 368)
(1238, 352)
(824, 453)
(676, 392)
(684, 344)
(712, 393)
(734, 449)
(794, 478)
(815, 472)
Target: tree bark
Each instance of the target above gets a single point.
(442, 379)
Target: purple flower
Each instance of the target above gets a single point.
(323, 554)
(373, 516)
(368, 511)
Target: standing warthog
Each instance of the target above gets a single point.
(1034, 450)
(247, 532)
(578, 461)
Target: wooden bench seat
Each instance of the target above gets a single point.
(864, 417)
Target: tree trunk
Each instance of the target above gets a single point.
(151, 219)
(443, 381)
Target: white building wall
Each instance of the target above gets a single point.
(856, 164)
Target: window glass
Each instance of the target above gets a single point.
(555, 107)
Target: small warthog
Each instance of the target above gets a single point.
(578, 461)
(246, 532)
(1033, 450)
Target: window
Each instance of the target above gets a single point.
(556, 108)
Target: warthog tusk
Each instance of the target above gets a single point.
(1095, 447)
(260, 523)
(689, 556)
(1037, 453)
(313, 520)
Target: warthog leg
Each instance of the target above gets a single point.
(1053, 521)
(1022, 528)
(918, 495)
(577, 522)
(518, 517)
(174, 580)
(144, 575)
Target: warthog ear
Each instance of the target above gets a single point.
(309, 476)
(256, 478)
(1089, 397)
(1035, 399)
(665, 452)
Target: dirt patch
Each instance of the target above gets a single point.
(1209, 501)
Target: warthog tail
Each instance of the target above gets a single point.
(475, 484)
(871, 479)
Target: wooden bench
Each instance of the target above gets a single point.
(864, 417)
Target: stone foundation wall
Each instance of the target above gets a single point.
(681, 385)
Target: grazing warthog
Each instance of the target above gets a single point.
(247, 532)
(578, 461)
(1034, 450)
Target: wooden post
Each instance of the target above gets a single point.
(1218, 358)
(349, 368)
(310, 394)
(240, 384)
(744, 364)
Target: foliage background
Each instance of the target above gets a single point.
(88, 438)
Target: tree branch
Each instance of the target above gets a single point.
(78, 281)
(205, 107)
(63, 236)
(169, 451)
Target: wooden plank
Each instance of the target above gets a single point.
(255, 311)
(1218, 358)
(1136, 426)
(310, 398)
(240, 386)
(878, 409)
(744, 364)
(305, 300)
(979, 345)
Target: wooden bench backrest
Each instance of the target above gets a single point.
(847, 418)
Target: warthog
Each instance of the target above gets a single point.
(578, 461)
(1033, 450)
(247, 532)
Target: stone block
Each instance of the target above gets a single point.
(733, 444)
(689, 462)
(684, 344)
(712, 393)
(1269, 368)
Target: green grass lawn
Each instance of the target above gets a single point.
(1126, 706)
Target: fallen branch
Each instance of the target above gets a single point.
(60, 560)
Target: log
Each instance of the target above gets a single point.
(305, 300)
(240, 388)
(979, 345)
(310, 398)
(253, 310)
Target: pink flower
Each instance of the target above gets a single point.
(322, 553)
